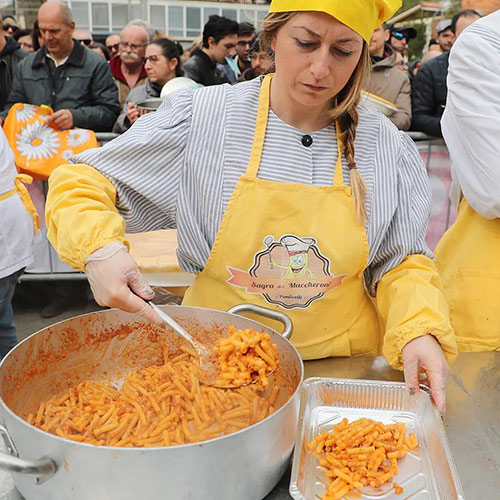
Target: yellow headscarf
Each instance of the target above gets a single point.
(362, 16)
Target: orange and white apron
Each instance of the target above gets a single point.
(295, 248)
(468, 261)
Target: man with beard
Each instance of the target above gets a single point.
(127, 66)
(74, 81)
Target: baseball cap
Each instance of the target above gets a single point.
(443, 26)
(408, 32)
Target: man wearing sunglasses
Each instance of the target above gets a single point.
(9, 24)
(10, 54)
(127, 66)
(113, 44)
(83, 36)
(400, 36)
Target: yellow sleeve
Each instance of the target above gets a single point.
(80, 213)
(411, 304)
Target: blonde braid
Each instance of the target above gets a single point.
(348, 123)
(345, 113)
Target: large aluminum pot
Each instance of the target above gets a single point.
(245, 465)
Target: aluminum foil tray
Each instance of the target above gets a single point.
(426, 473)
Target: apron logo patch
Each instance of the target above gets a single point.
(290, 272)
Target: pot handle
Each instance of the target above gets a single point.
(42, 469)
(267, 313)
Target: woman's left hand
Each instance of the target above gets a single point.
(425, 353)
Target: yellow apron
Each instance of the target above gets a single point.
(295, 248)
(468, 260)
(22, 192)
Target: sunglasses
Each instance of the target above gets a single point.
(399, 36)
(116, 46)
(7, 27)
(86, 41)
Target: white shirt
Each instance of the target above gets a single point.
(178, 167)
(471, 121)
(16, 224)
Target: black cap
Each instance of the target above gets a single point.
(407, 31)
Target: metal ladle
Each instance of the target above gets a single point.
(207, 366)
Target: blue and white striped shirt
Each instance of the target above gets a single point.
(177, 168)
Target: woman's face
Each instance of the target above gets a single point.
(159, 69)
(315, 55)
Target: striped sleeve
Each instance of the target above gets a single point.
(407, 210)
(145, 164)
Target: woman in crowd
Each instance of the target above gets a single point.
(25, 39)
(285, 193)
(162, 63)
(101, 49)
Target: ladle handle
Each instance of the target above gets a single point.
(177, 328)
(42, 469)
(267, 313)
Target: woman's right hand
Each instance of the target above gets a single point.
(132, 113)
(116, 281)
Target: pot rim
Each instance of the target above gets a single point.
(156, 448)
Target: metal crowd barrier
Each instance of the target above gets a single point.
(47, 265)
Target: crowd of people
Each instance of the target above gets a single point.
(252, 139)
(140, 62)
(99, 88)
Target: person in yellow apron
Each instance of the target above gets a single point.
(468, 255)
(284, 192)
(18, 224)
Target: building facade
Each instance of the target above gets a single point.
(180, 19)
(486, 6)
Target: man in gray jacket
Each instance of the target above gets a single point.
(74, 81)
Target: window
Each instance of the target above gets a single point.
(134, 12)
(193, 21)
(157, 16)
(81, 14)
(207, 12)
(247, 16)
(119, 16)
(175, 21)
(261, 14)
(100, 16)
(230, 14)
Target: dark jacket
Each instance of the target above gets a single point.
(429, 95)
(11, 54)
(200, 68)
(137, 94)
(83, 84)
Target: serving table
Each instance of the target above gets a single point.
(472, 418)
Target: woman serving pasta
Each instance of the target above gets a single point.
(284, 192)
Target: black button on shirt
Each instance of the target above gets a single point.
(307, 140)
